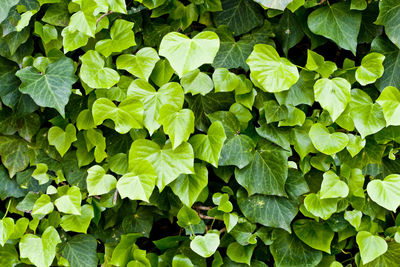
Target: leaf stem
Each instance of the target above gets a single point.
(300, 67)
(8, 207)
(104, 15)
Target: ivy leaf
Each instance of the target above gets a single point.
(316, 62)
(178, 124)
(98, 182)
(275, 4)
(8, 80)
(84, 21)
(141, 64)
(93, 72)
(387, 192)
(323, 208)
(333, 187)
(326, 142)
(316, 235)
(43, 206)
(368, 117)
(138, 183)
(62, 140)
(78, 223)
(52, 88)
(355, 145)
(239, 253)
(6, 229)
(389, 11)
(70, 200)
(73, 40)
(267, 172)
(208, 147)
(389, 99)
(122, 37)
(80, 250)
(128, 115)
(333, 95)
(353, 217)
(189, 186)
(224, 80)
(14, 154)
(371, 246)
(198, 51)
(206, 245)
(371, 68)
(196, 82)
(170, 93)
(7, 5)
(40, 250)
(344, 24)
(387, 259)
(167, 162)
(273, 73)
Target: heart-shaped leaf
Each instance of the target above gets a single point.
(78, 223)
(371, 246)
(316, 235)
(6, 229)
(371, 68)
(323, 208)
(70, 200)
(98, 182)
(326, 142)
(141, 64)
(199, 50)
(43, 206)
(333, 187)
(353, 217)
(196, 82)
(389, 100)
(280, 5)
(225, 81)
(386, 192)
(355, 145)
(206, 245)
(61, 139)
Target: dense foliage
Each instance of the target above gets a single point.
(200, 133)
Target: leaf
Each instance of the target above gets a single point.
(208, 147)
(387, 259)
(289, 251)
(385, 192)
(333, 95)
(326, 142)
(289, 32)
(371, 247)
(6, 230)
(267, 172)
(93, 72)
(389, 11)
(98, 182)
(368, 117)
(188, 187)
(14, 154)
(187, 216)
(344, 24)
(355, 145)
(167, 162)
(43, 206)
(80, 251)
(8, 255)
(141, 64)
(40, 250)
(240, 16)
(7, 5)
(224, 80)
(333, 187)
(62, 140)
(198, 51)
(139, 183)
(196, 82)
(170, 93)
(371, 68)
(322, 208)
(177, 123)
(206, 245)
(51, 88)
(316, 62)
(128, 115)
(70, 201)
(273, 73)
(123, 250)
(389, 99)
(122, 37)
(78, 223)
(353, 217)
(239, 253)
(317, 235)
(275, 4)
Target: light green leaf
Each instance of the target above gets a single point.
(78, 223)
(239, 253)
(138, 183)
(385, 192)
(225, 81)
(368, 117)
(275, 4)
(84, 21)
(187, 216)
(43, 206)
(230, 220)
(6, 6)
(333, 187)
(170, 93)
(93, 72)
(371, 68)
(326, 142)
(189, 186)
(389, 100)
(355, 145)
(316, 62)
(371, 246)
(237, 151)
(123, 251)
(196, 82)
(128, 115)
(316, 235)
(167, 162)
(344, 24)
(84, 121)
(389, 12)
(206, 245)
(122, 37)
(40, 250)
(62, 140)
(80, 250)
(8, 256)
(162, 72)
(333, 95)
(6, 229)
(52, 88)
(273, 73)
(322, 208)
(222, 200)
(208, 147)
(178, 124)
(185, 54)
(40, 173)
(389, 258)
(98, 182)
(73, 40)
(141, 64)
(353, 217)
(70, 201)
